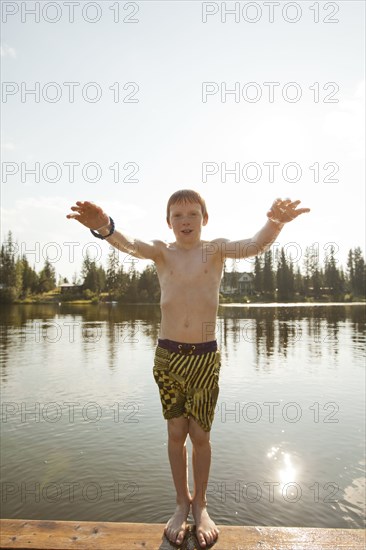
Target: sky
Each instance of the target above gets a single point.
(242, 101)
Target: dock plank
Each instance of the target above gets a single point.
(91, 535)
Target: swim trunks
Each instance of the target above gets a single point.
(188, 379)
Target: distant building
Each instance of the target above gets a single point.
(69, 288)
(234, 282)
(246, 284)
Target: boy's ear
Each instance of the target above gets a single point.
(205, 220)
(169, 224)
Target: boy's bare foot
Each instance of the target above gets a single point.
(206, 530)
(176, 527)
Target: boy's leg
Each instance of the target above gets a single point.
(206, 529)
(177, 435)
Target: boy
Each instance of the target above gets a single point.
(187, 362)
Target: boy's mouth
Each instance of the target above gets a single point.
(187, 231)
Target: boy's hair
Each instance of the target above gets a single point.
(186, 195)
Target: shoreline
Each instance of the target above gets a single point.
(224, 304)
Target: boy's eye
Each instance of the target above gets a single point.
(190, 215)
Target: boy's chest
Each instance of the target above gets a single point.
(191, 267)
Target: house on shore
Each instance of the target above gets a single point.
(70, 289)
(234, 283)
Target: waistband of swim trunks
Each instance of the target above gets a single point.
(188, 349)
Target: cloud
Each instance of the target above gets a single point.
(7, 51)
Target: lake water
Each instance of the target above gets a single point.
(83, 437)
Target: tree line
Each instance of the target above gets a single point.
(18, 279)
(276, 277)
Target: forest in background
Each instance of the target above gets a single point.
(276, 277)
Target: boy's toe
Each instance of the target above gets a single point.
(169, 535)
(180, 537)
(201, 540)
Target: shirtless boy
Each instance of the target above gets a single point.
(187, 361)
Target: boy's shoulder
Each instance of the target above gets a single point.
(219, 241)
(159, 243)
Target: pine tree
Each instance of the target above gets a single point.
(313, 278)
(47, 277)
(258, 274)
(101, 279)
(350, 270)
(113, 266)
(7, 263)
(285, 278)
(268, 275)
(307, 269)
(90, 274)
(332, 275)
(10, 271)
(30, 279)
(317, 282)
(299, 282)
(131, 294)
(86, 265)
(359, 277)
(92, 279)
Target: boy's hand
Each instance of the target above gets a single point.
(283, 211)
(89, 214)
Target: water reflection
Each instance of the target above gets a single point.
(271, 330)
(298, 368)
(288, 473)
(87, 325)
(278, 330)
(285, 471)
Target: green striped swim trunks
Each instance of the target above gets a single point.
(188, 379)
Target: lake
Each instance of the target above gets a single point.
(83, 437)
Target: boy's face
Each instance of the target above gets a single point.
(186, 220)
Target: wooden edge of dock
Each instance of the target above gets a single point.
(93, 535)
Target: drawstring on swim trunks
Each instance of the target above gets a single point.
(185, 350)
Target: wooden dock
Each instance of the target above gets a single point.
(91, 535)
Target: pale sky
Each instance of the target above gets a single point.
(299, 103)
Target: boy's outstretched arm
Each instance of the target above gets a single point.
(93, 217)
(281, 212)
